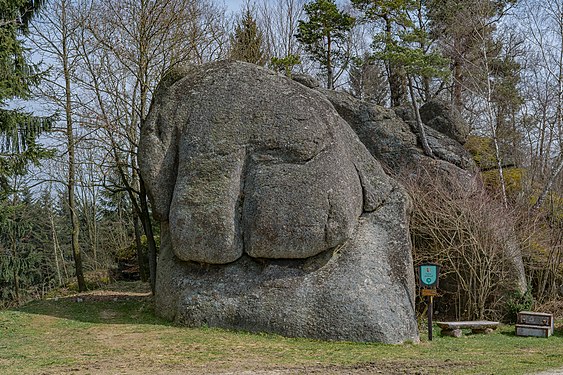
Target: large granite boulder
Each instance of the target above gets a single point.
(274, 216)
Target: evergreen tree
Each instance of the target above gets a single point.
(18, 129)
(27, 269)
(324, 36)
(246, 42)
(464, 30)
(367, 80)
(416, 62)
(394, 14)
(285, 64)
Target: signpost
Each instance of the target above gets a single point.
(428, 276)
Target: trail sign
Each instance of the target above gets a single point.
(428, 275)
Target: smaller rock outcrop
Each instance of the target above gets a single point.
(390, 136)
(306, 80)
(442, 117)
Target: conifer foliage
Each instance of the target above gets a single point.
(324, 36)
(18, 128)
(22, 266)
(246, 42)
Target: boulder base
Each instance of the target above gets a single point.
(358, 292)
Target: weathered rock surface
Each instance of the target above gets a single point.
(275, 217)
(306, 80)
(445, 119)
(390, 135)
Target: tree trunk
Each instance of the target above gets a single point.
(329, 72)
(55, 246)
(144, 213)
(457, 89)
(142, 258)
(420, 127)
(555, 172)
(147, 226)
(395, 73)
(457, 77)
(76, 253)
(16, 285)
(397, 85)
(71, 182)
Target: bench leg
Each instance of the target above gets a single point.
(451, 332)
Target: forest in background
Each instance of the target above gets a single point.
(77, 77)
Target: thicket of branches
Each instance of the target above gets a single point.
(459, 225)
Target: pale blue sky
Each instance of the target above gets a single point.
(234, 5)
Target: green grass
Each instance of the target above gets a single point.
(124, 336)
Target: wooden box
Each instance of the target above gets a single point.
(534, 324)
(535, 318)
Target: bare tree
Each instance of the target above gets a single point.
(545, 25)
(126, 47)
(279, 21)
(55, 32)
(108, 58)
(489, 80)
(458, 225)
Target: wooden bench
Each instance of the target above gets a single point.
(453, 329)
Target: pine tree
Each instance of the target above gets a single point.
(394, 14)
(324, 36)
(464, 30)
(18, 129)
(246, 42)
(407, 53)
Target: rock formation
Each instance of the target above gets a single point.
(441, 117)
(274, 216)
(390, 136)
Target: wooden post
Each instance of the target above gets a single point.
(428, 277)
(430, 308)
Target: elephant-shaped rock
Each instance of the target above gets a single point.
(274, 216)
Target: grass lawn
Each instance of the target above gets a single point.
(116, 332)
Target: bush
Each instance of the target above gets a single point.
(518, 301)
(457, 224)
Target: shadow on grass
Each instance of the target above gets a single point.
(110, 307)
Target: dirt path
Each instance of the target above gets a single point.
(550, 372)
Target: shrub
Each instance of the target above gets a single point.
(518, 301)
(457, 224)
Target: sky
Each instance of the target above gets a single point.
(234, 5)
